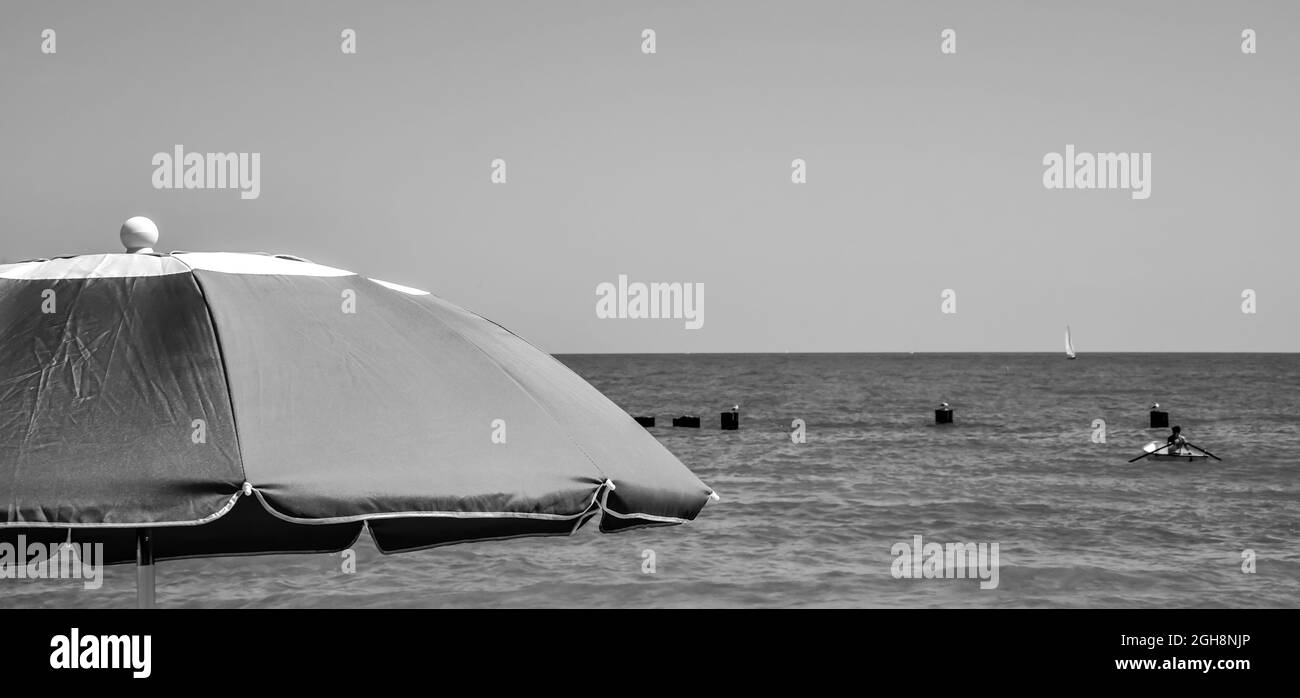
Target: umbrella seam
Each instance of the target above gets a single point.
(225, 373)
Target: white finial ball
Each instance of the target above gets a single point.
(139, 235)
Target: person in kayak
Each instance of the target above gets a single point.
(1176, 444)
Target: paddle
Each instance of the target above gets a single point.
(1189, 443)
(1147, 453)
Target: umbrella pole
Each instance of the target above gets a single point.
(144, 567)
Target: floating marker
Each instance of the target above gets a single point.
(943, 415)
(687, 421)
(1159, 419)
(731, 420)
(645, 421)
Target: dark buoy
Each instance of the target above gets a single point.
(1159, 418)
(943, 415)
(687, 421)
(645, 421)
(731, 420)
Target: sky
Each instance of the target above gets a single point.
(924, 169)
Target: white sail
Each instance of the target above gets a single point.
(1069, 346)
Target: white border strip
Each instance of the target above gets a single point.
(401, 289)
(95, 266)
(239, 263)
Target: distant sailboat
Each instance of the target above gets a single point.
(1069, 346)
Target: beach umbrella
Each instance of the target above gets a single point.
(208, 404)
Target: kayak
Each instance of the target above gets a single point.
(1188, 455)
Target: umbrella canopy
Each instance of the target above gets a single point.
(239, 404)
